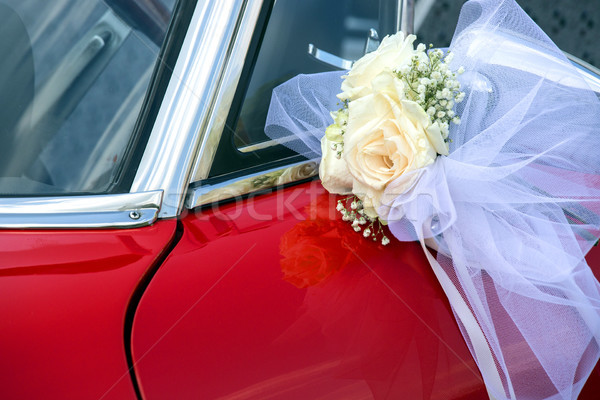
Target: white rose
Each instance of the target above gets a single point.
(333, 172)
(387, 136)
(393, 52)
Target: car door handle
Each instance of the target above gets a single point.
(341, 63)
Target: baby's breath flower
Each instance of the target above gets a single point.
(385, 241)
(429, 81)
(367, 232)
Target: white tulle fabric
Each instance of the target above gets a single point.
(513, 209)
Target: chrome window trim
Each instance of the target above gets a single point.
(247, 184)
(128, 210)
(186, 131)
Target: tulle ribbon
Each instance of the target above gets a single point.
(512, 211)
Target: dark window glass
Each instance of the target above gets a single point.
(339, 27)
(73, 79)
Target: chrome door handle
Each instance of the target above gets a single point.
(341, 63)
(328, 58)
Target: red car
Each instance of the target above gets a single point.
(155, 244)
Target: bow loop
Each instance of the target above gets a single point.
(419, 204)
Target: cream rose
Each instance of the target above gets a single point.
(386, 137)
(394, 51)
(383, 134)
(333, 172)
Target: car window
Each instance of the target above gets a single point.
(73, 79)
(337, 27)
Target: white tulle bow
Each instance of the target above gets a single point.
(513, 209)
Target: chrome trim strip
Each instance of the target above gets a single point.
(590, 73)
(127, 210)
(407, 16)
(251, 183)
(210, 54)
(231, 77)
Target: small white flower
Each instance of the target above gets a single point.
(421, 47)
(456, 120)
(461, 70)
(385, 241)
(421, 89)
(449, 57)
(431, 111)
(353, 205)
(443, 103)
(440, 114)
(366, 232)
(405, 69)
(450, 113)
(444, 129)
(436, 75)
(460, 97)
(357, 228)
(339, 206)
(450, 104)
(425, 81)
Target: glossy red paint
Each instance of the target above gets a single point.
(222, 320)
(64, 296)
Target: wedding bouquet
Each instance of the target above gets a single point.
(489, 154)
(398, 104)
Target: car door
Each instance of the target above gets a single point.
(78, 83)
(268, 294)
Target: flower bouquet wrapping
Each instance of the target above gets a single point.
(489, 154)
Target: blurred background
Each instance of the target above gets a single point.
(574, 25)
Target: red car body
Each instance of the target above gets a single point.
(221, 319)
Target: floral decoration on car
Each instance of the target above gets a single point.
(397, 106)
